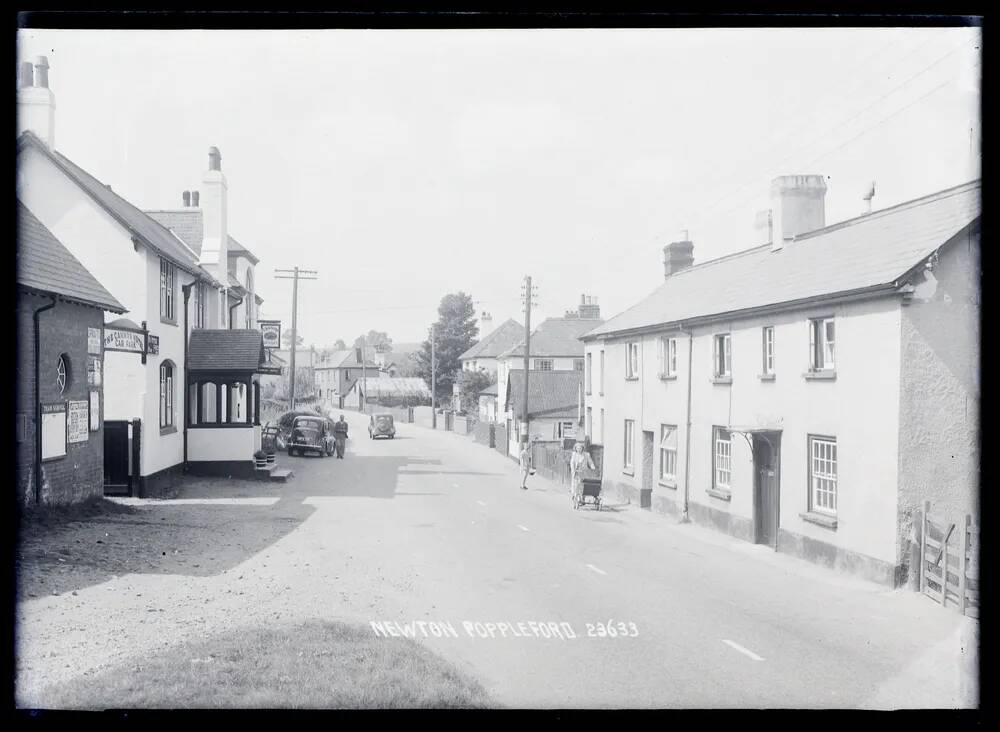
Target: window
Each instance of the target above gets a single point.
(821, 344)
(590, 423)
(668, 453)
(600, 433)
(578, 364)
(200, 301)
(168, 276)
(564, 430)
(631, 360)
(723, 358)
(166, 394)
(823, 475)
(62, 373)
(602, 373)
(667, 356)
(629, 439)
(589, 377)
(722, 459)
(768, 352)
(543, 364)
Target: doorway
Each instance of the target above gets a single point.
(646, 495)
(116, 458)
(767, 487)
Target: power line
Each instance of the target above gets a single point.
(297, 274)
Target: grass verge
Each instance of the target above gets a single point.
(315, 665)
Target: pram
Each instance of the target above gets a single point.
(589, 488)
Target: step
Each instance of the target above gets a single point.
(281, 476)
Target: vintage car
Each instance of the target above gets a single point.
(311, 434)
(381, 425)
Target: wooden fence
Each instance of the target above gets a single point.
(949, 563)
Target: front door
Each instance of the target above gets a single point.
(646, 496)
(766, 450)
(116, 458)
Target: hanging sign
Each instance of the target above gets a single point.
(119, 339)
(153, 348)
(269, 370)
(53, 430)
(271, 332)
(78, 419)
(95, 411)
(94, 341)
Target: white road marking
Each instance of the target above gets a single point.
(599, 571)
(481, 503)
(741, 649)
(522, 528)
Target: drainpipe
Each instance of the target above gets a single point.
(232, 308)
(687, 434)
(38, 404)
(186, 289)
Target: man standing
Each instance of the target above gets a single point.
(340, 435)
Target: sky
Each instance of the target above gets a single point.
(403, 165)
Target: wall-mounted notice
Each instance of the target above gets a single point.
(53, 430)
(94, 340)
(78, 421)
(94, 372)
(95, 411)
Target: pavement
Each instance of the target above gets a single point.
(432, 527)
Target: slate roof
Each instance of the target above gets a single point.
(189, 225)
(556, 337)
(506, 335)
(386, 386)
(340, 359)
(491, 390)
(45, 265)
(552, 393)
(873, 251)
(141, 226)
(225, 350)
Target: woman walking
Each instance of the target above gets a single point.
(580, 465)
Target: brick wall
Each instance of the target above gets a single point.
(79, 475)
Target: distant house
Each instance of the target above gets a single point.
(811, 392)
(336, 373)
(554, 403)
(483, 356)
(386, 390)
(60, 315)
(488, 411)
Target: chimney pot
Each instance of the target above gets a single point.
(26, 78)
(677, 255)
(186, 196)
(214, 158)
(41, 71)
(194, 198)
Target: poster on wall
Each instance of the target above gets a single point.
(78, 421)
(271, 332)
(95, 411)
(94, 372)
(53, 430)
(153, 344)
(94, 340)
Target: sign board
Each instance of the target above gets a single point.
(94, 341)
(53, 430)
(271, 332)
(153, 345)
(94, 372)
(118, 339)
(95, 411)
(78, 421)
(269, 370)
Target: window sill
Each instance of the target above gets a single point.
(829, 375)
(667, 484)
(725, 380)
(168, 321)
(630, 473)
(600, 393)
(167, 430)
(631, 378)
(765, 377)
(668, 377)
(723, 495)
(829, 522)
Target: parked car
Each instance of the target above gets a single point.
(381, 425)
(311, 434)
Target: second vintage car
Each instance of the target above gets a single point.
(311, 434)
(381, 425)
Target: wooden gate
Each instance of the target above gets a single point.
(949, 563)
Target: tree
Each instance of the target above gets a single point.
(286, 338)
(470, 384)
(375, 339)
(455, 332)
(340, 345)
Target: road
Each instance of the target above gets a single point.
(433, 527)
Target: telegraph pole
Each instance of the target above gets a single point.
(364, 375)
(297, 274)
(527, 295)
(434, 417)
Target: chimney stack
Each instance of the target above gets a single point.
(798, 207)
(485, 324)
(677, 255)
(215, 242)
(589, 309)
(194, 199)
(36, 104)
(186, 196)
